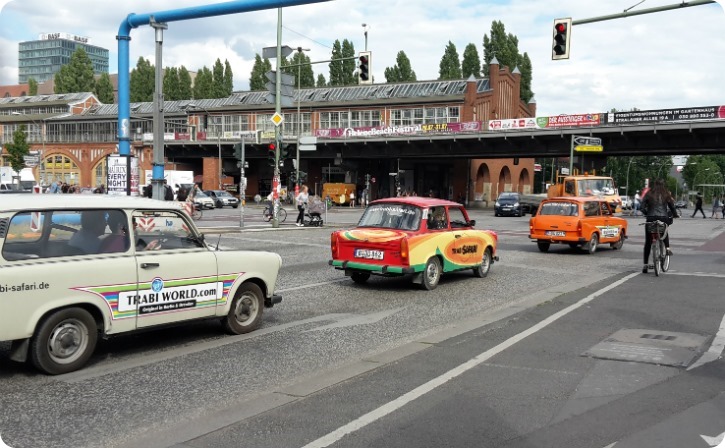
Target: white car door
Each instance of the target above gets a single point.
(177, 273)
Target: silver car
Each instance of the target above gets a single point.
(222, 198)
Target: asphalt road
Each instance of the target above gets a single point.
(511, 360)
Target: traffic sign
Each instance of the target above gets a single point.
(308, 140)
(589, 148)
(537, 167)
(277, 119)
(587, 141)
(308, 147)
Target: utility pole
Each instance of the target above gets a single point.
(242, 187)
(277, 130)
(157, 175)
(299, 117)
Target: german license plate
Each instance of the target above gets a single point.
(554, 233)
(369, 254)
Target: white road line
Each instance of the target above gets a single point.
(312, 285)
(715, 350)
(401, 401)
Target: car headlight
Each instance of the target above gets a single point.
(497, 204)
(516, 204)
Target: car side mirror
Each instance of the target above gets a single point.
(471, 223)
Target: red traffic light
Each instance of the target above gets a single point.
(363, 59)
(560, 27)
(272, 147)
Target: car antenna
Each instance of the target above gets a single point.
(218, 241)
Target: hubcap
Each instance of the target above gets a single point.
(431, 273)
(486, 263)
(246, 309)
(67, 341)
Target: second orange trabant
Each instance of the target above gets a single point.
(579, 222)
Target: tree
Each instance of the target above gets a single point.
(185, 92)
(142, 82)
(258, 79)
(204, 84)
(471, 62)
(77, 75)
(401, 71)
(307, 76)
(348, 64)
(505, 47)
(171, 84)
(32, 87)
(217, 80)
(228, 79)
(104, 89)
(450, 66)
(321, 80)
(18, 149)
(337, 76)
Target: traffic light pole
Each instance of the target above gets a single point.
(242, 187)
(277, 130)
(627, 13)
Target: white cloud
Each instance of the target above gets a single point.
(660, 60)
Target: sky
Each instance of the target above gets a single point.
(664, 60)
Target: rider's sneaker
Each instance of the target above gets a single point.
(669, 251)
(644, 269)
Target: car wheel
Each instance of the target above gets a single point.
(593, 243)
(245, 314)
(235, 206)
(219, 204)
(64, 341)
(482, 270)
(360, 277)
(543, 246)
(432, 273)
(618, 245)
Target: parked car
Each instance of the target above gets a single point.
(63, 287)
(508, 204)
(627, 203)
(579, 222)
(202, 201)
(222, 198)
(681, 204)
(423, 237)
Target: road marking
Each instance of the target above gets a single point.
(363, 319)
(419, 391)
(698, 274)
(716, 442)
(716, 348)
(312, 285)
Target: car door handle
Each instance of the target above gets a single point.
(149, 265)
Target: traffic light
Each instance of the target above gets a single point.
(303, 177)
(271, 154)
(284, 152)
(363, 70)
(562, 39)
(238, 151)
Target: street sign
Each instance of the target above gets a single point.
(286, 88)
(537, 167)
(308, 140)
(271, 52)
(587, 141)
(308, 147)
(589, 148)
(564, 170)
(277, 119)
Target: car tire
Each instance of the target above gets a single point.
(481, 271)
(235, 206)
(360, 277)
(219, 204)
(64, 341)
(432, 274)
(245, 313)
(593, 243)
(543, 246)
(618, 245)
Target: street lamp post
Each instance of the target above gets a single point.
(299, 116)
(218, 140)
(365, 30)
(626, 191)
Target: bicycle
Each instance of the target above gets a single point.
(267, 214)
(657, 231)
(193, 211)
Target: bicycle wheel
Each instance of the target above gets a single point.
(665, 257)
(281, 214)
(656, 256)
(196, 214)
(266, 215)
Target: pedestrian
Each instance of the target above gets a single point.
(301, 199)
(698, 205)
(168, 192)
(637, 202)
(716, 206)
(657, 205)
(364, 197)
(352, 199)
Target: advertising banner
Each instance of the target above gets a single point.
(414, 129)
(560, 121)
(515, 123)
(667, 115)
(121, 170)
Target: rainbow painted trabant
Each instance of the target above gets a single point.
(423, 237)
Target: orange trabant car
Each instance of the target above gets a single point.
(579, 222)
(422, 237)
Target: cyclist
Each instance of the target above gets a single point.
(657, 205)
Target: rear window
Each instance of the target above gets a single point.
(559, 208)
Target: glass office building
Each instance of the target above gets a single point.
(41, 59)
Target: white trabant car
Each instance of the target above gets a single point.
(74, 268)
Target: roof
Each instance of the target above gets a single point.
(576, 199)
(418, 201)
(16, 202)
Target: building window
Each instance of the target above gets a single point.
(333, 120)
(59, 167)
(365, 118)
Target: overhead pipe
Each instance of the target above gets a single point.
(175, 15)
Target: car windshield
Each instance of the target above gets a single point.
(508, 196)
(224, 194)
(392, 216)
(559, 208)
(201, 194)
(595, 187)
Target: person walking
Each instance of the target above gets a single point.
(637, 203)
(657, 205)
(716, 206)
(301, 199)
(352, 199)
(698, 205)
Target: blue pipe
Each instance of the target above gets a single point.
(197, 12)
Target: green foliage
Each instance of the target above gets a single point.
(705, 169)
(104, 89)
(450, 66)
(17, 149)
(228, 79)
(142, 82)
(321, 80)
(348, 65)
(471, 62)
(32, 87)
(217, 89)
(401, 71)
(171, 84)
(204, 84)
(307, 76)
(337, 77)
(505, 47)
(77, 75)
(185, 92)
(636, 169)
(257, 79)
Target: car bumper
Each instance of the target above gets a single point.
(509, 211)
(558, 239)
(377, 269)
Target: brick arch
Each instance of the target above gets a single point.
(524, 182)
(504, 180)
(482, 186)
